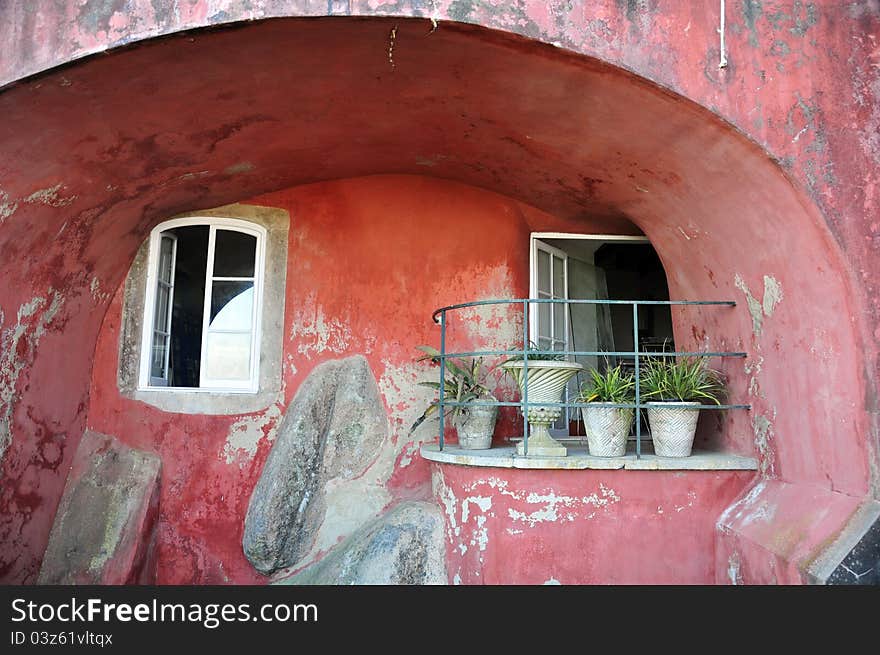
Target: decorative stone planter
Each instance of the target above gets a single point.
(476, 426)
(546, 382)
(673, 426)
(607, 429)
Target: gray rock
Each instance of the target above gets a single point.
(405, 546)
(104, 529)
(333, 429)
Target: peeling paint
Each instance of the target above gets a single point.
(484, 503)
(314, 333)
(752, 368)
(409, 452)
(763, 429)
(7, 208)
(446, 496)
(98, 296)
(760, 309)
(560, 508)
(756, 310)
(245, 435)
(19, 343)
(733, 569)
(240, 167)
(752, 11)
(49, 197)
(772, 295)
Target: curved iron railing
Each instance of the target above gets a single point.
(439, 317)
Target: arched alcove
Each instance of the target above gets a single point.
(99, 152)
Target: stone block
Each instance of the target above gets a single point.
(404, 546)
(104, 529)
(332, 430)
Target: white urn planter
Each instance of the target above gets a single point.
(546, 382)
(673, 426)
(607, 429)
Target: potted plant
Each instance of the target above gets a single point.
(464, 382)
(677, 389)
(545, 377)
(608, 427)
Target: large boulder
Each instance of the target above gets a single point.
(333, 429)
(405, 546)
(104, 529)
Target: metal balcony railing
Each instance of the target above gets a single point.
(440, 317)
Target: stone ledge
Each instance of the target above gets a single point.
(579, 458)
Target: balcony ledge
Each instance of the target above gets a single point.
(579, 459)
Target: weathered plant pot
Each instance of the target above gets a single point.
(673, 426)
(546, 382)
(476, 426)
(607, 429)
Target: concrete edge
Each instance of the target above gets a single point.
(822, 567)
(580, 459)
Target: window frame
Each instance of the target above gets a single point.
(251, 386)
(153, 380)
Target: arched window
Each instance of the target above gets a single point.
(202, 309)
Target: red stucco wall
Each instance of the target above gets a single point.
(368, 261)
(511, 526)
(97, 153)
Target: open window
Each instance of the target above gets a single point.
(585, 266)
(201, 328)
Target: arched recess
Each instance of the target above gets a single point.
(98, 153)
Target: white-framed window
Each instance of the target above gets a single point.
(201, 328)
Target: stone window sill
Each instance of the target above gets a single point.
(579, 458)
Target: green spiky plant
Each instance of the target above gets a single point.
(536, 356)
(465, 381)
(687, 379)
(612, 386)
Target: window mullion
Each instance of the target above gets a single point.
(170, 308)
(209, 275)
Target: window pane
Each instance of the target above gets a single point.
(232, 305)
(558, 277)
(228, 356)
(188, 306)
(558, 321)
(157, 360)
(544, 318)
(235, 254)
(543, 271)
(543, 343)
(166, 250)
(160, 316)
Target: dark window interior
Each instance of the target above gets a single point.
(188, 306)
(634, 272)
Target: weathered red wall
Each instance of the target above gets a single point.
(513, 526)
(95, 154)
(369, 260)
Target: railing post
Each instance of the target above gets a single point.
(525, 398)
(638, 408)
(442, 376)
